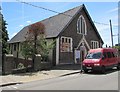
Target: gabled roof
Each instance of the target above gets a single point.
(53, 25)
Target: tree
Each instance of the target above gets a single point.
(118, 47)
(4, 36)
(27, 50)
(45, 48)
(36, 31)
(3, 39)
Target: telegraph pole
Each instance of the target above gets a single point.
(111, 33)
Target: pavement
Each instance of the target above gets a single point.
(57, 71)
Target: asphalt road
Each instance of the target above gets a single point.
(90, 81)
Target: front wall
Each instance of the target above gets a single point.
(71, 31)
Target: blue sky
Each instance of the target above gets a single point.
(19, 15)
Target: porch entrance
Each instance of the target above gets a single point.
(81, 50)
(79, 56)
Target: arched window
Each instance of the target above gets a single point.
(81, 26)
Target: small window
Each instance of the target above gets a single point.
(109, 55)
(113, 55)
(66, 44)
(62, 40)
(14, 47)
(105, 55)
(66, 40)
(69, 40)
(94, 44)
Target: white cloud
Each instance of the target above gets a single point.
(21, 25)
(28, 21)
(113, 10)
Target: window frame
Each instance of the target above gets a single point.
(80, 26)
(94, 44)
(109, 55)
(70, 48)
(105, 55)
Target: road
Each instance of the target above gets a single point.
(90, 81)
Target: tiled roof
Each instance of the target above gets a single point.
(53, 25)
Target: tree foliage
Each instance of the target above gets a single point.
(44, 48)
(4, 36)
(36, 30)
(27, 49)
(36, 42)
(117, 47)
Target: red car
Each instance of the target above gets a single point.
(100, 59)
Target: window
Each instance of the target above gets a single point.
(81, 25)
(62, 40)
(105, 55)
(113, 55)
(109, 55)
(94, 44)
(96, 55)
(14, 47)
(66, 44)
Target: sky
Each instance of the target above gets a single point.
(19, 15)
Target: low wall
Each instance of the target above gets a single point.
(41, 65)
(18, 65)
(12, 63)
(8, 64)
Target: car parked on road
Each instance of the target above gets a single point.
(101, 59)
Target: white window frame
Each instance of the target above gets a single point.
(79, 31)
(94, 44)
(71, 43)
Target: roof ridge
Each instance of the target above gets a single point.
(57, 15)
(62, 12)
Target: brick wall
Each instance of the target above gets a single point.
(11, 63)
(17, 65)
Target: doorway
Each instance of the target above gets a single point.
(80, 55)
